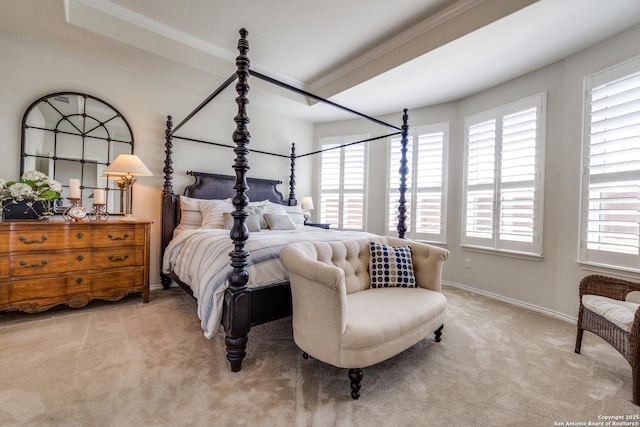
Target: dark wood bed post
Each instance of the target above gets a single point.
(292, 178)
(402, 208)
(237, 297)
(168, 198)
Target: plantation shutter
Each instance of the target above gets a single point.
(611, 182)
(503, 178)
(518, 180)
(330, 178)
(480, 183)
(426, 190)
(429, 204)
(342, 182)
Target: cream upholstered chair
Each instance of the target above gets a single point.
(610, 308)
(340, 319)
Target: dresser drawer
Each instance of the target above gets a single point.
(38, 240)
(117, 257)
(32, 288)
(118, 236)
(37, 264)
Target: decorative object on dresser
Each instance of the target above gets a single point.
(43, 264)
(75, 211)
(31, 197)
(124, 169)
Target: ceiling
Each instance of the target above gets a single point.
(374, 56)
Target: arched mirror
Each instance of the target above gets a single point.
(71, 135)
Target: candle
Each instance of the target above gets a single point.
(74, 188)
(98, 197)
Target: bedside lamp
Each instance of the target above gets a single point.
(307, 205)
(125, 168)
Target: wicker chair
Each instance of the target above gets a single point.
(627, 342)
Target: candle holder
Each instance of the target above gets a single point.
(75, 212)
(99, 212)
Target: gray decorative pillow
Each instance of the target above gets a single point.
(391, 266)
(280, 222)
(252, 222)
(259, 211)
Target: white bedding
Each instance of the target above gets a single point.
(200, 258)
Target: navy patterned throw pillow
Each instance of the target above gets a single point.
(391, 266)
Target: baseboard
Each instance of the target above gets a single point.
(156, 287)
(515, 302)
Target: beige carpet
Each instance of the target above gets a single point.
(134, 364)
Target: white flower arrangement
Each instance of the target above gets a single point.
(32, 186)
(35, 189)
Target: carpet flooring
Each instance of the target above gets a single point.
(133, 364)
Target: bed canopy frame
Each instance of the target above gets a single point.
(237, 297)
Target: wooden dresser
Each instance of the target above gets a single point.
(46, 263)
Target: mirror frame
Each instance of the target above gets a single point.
(97, 127)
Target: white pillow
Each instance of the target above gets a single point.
(295, 212)
(190, 215)
(213, 211)
(275, 208)
(279, 222)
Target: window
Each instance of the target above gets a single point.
(342, 182)
(503, 187)
(610, 214)
(425, 196)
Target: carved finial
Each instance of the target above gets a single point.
(243, 43)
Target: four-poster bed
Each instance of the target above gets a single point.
(241, 305)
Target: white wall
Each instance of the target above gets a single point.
(550, 285)
(31, 69)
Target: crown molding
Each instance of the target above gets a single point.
(398, 41)
(164, 31)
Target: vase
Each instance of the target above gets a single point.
(20, 210)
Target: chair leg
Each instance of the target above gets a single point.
(439, 333)
(355, 375)
(579, 340)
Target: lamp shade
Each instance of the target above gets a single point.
(307, 203)
(127, 165)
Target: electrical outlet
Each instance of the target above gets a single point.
(467, 263)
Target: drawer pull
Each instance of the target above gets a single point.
(24, 240)
(42, 264)
(79, 236)
(112, 237)
(79, 280)
(80, 258)
(115, 259)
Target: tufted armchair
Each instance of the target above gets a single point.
(340, 319)
(610, 308)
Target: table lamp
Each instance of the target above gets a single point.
(125, 168)
(307, 205)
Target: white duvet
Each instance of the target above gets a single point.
(200, 258)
